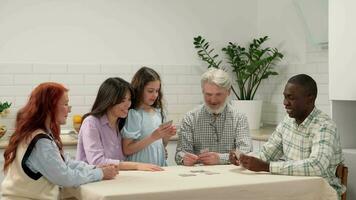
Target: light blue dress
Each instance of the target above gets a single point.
(139, 125)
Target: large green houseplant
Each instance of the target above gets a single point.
(250, 65)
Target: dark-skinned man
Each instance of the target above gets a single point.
(305, 143)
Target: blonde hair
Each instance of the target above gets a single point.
(217, 76)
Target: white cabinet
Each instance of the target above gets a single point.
(342, 81)
(171, 148)
(344, 115)
(342, 51)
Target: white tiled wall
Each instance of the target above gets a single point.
(315, 65)
(181, 84)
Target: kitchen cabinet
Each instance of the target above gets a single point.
(342, 50)
(342, 80)
(171, 148)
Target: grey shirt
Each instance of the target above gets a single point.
(201, 130)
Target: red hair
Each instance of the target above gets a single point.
(42, 105)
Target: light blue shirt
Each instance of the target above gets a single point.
(139, 125)
(46, 159)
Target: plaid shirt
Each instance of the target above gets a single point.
(311, 149)
(201, 130)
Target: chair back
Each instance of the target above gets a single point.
(342, 172)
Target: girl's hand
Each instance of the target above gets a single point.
(148, 167)
(117, 167)
(161, 132)
(172, 132)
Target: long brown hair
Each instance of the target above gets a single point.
(138, 83)
(43, 103)
(111, 92)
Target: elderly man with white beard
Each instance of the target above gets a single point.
(208, 133)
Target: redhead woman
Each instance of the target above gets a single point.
(35, 165)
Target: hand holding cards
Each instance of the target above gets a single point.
(166, 124)
(165, 131)
(204, 150)
(234, 157)
(237, 154)
(207, 157)
(189, 159)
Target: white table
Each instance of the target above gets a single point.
(231, 182)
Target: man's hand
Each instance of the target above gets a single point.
(253, 164)
(209, 158)
(109, 171)
(233, 159)
(189, 159)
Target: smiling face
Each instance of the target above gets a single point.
(121, 109)
(215, 97)
(297, 102)
(150, 93)
(63, 109)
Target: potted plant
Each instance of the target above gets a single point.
(250, 65)
(4, 108)
(3, 112)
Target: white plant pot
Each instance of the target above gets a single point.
(252, 109)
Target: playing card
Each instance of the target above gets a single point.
(204, 150)
(187, 175)
(211, 173)
(237, 154)
(197, 171)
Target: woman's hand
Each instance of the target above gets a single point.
(109, 171)
(148, 167)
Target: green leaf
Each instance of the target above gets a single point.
(4, 106)
(250, 65)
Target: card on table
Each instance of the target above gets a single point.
(211, 173)
(187, 175)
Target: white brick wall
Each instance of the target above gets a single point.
(181, 84)
(315, 65)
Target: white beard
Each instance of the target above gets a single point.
(216, 111)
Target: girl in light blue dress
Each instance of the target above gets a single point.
(144, 138)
